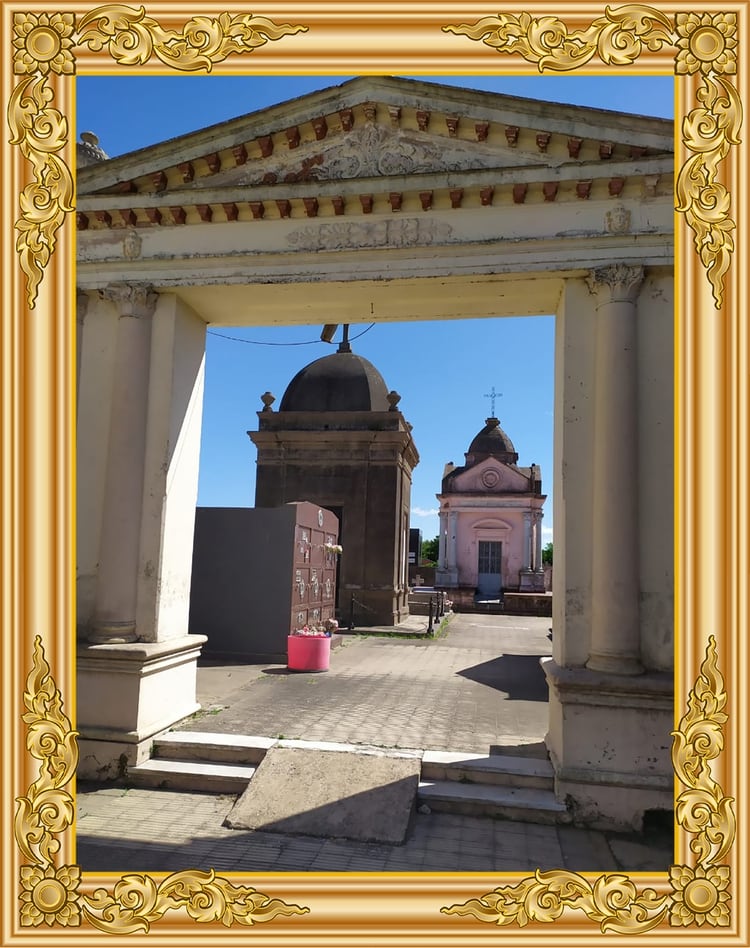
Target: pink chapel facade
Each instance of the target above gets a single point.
(490, 534)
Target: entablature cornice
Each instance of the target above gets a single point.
(567, 256)
(486, 188)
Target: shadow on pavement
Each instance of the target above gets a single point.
(519, 676)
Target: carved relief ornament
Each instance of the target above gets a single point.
(131, 299)
(351, 235)
(618, 282)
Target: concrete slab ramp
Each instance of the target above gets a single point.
(359, 796)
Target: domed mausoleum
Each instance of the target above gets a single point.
(490, 522)
(339, 440)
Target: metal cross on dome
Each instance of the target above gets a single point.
(492, 396)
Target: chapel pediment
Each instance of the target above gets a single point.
(490, 477)
(378, 142)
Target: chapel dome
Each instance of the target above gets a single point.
(491, 441)
(343, 381)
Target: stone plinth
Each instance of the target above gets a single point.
(610, 744)
(127, 694)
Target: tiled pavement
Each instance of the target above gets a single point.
(160, 830)
(477, 688)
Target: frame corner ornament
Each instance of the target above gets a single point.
(705, 43)
(51, 894)
(45, 43)
(700, 894)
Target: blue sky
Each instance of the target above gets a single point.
(443, 370)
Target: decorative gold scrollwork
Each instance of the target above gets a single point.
(41, 132)
(700, 894)
(611, 900)
(708, 132)
(132, 37)
(137, 901)
(618, 37)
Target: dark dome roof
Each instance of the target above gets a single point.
(491, 441)
(339, 382)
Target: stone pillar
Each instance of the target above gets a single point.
(538, 565)
(615, 631)
(82, 305)
(527, 544)
(452, 516)
(114, 613)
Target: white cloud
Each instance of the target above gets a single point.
(421, 512)
(546, 534)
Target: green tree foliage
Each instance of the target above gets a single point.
(547, 554)
(430, 550)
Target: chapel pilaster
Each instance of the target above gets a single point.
(115, 607)
(615, 635)
(538, 566)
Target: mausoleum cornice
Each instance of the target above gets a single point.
(499, 187)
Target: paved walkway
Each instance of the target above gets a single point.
(478, 687)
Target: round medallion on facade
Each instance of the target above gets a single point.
(490, 479)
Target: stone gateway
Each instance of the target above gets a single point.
(397, 200)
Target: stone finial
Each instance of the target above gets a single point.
(88, 151)
(268, 399)
(393, 399)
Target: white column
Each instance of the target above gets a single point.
(441, 539)
(527, 547)
(538, 566)
(615, 634)
(115, 609)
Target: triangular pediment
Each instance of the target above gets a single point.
(490, 477)
(376, 142)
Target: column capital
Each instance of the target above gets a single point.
(527, 515)
(616, 283)
(132, 299)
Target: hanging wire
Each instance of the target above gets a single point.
(255, 342)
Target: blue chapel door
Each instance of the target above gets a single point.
(489, 579)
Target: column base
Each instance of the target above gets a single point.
(128, 693)
(112, 633)
(610, 744)
(614, 664)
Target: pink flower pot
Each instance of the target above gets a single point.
(308, 652)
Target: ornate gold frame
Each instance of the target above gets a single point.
(701, 49)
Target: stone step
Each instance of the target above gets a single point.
(476, 799)
(211, 748)
(191, 775)
(499, 770)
